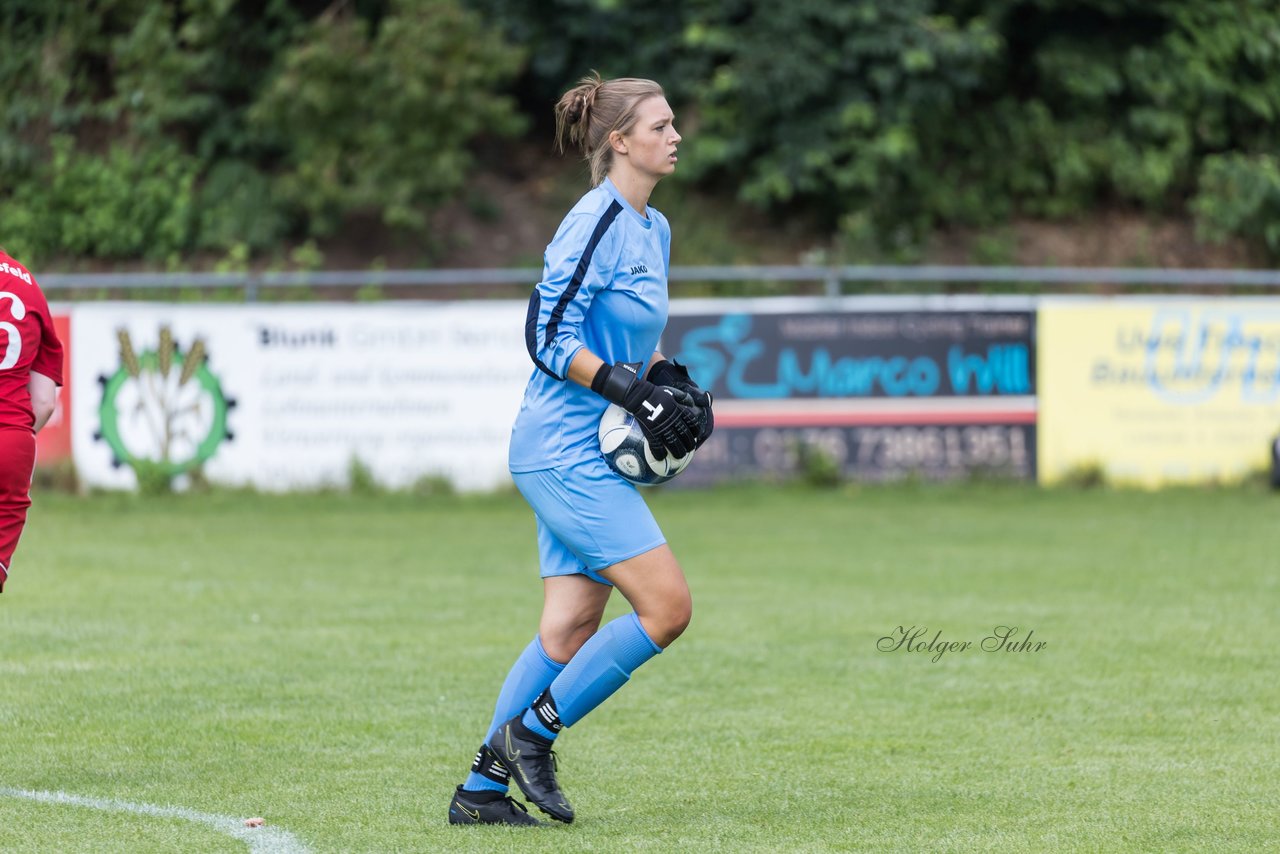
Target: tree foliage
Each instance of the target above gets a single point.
(141, 129)
(157, 128)
(893, 117)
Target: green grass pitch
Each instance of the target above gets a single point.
(329, 663)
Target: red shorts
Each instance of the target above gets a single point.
(17, 462)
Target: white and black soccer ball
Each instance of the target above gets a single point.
(627, 451)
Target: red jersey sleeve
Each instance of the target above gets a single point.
(48, 360)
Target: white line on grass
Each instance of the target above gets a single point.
(261, 840)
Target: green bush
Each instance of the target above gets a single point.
(122, 204)
(1240, 195)
(236, 207)
(381, 118)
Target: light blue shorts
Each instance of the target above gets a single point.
(588, 518)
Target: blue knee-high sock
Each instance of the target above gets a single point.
(533, 671)
(601, 667)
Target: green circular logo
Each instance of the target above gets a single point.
(170, 416)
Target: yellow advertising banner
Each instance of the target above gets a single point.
(1158, 390)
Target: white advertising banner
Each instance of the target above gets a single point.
(290, 396)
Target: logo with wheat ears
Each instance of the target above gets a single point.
(163, 409)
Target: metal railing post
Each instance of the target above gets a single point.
(831, 284)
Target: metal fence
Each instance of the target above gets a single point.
(831, 279)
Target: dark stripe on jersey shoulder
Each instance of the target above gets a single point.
(584, 264)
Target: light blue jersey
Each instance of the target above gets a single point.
(604, 287)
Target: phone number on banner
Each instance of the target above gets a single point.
(870, 452)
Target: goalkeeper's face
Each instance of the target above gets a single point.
(651, 143)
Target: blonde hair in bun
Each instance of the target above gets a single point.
(595, 108)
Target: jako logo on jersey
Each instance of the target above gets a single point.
(26, 277)
(637, 269)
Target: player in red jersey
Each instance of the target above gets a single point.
(30, 374)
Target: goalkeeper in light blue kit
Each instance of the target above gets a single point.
(592, 331)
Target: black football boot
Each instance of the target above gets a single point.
(488, 807)
(529, 758)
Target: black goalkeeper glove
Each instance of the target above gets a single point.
(668, 423)
(676, 375)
